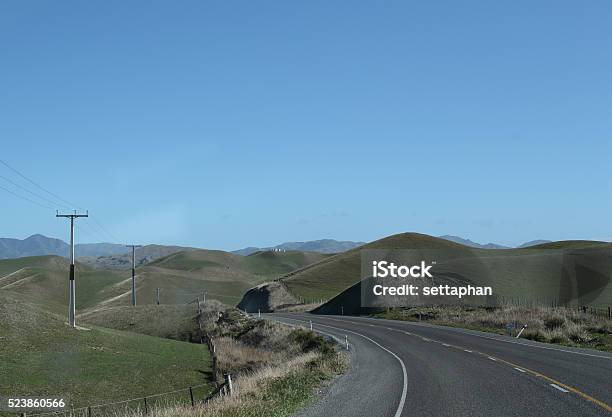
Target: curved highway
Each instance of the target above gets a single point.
(414, 369)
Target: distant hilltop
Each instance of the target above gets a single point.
(320, 246)
(468, 242)
(40, 245)
(107, 255)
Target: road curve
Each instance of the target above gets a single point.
(414, 369)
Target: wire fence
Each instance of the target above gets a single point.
(193, 395)
(605, 312)
(186, 396)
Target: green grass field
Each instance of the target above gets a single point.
(42, 356)
(121, 352)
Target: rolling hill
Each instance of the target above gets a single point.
(43, 280)
(574, 271)
(144, 255)
(183, 276)
(94, 365)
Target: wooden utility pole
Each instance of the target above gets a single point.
(133, 271)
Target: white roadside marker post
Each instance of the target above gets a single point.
(311, 325)
(258, 313)
(519, 333)
(346, 340)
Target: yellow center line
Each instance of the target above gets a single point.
(540, 375)
(532, 372)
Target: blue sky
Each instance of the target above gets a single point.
(226, 124)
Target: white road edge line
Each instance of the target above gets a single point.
(468, 351)
(520, 370)
(493, 359)
(400, 406)
(410, 323)
(559, 388)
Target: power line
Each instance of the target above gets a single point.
(93, 232)
(26, 199)
(32, 192)
(86, 232)
(104, 230)
(38, 185)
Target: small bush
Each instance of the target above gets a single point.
(309, 341)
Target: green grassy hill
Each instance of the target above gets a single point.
(327, 278)
(572, 244)
(43, 280)
(41, 356)
(178, 322)
(181, 277)
(557, 270)
(224, 276)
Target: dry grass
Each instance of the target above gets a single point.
(247, 393)
(235, 356)
(546, 324)
(274, 369)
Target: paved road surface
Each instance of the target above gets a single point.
(414, 369)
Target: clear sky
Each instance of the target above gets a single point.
(224, 124)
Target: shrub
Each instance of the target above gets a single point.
(310, 341)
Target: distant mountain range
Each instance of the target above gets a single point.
(116, 255)
(472, 244)
(107, 255)
(320, 246)
(533, 243)
(144, 255)
(38, 245)
(468, 242)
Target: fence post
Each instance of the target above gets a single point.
(191, 395)
(89, 411)
(146, 407)
(228, 379)
(609, 312)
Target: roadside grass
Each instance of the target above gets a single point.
(272, 391)
(41, 356)
(558, 325)
(275, 369)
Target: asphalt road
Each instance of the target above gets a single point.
(413, 369)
